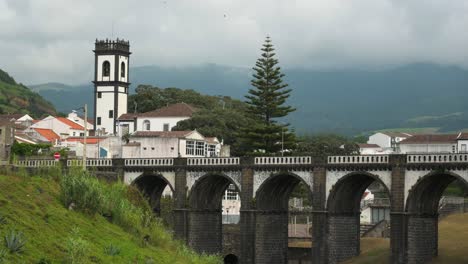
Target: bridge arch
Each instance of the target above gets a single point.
(205, 207)
(422, 206)
(344, 210)
(231, 259)
(272, 204)
(152, 186)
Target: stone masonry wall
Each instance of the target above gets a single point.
(343, 237)
(422, 239)
(271, 240)
(205, 231)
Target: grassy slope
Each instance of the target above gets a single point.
(17, 98)
(31, 205)
(453, 242)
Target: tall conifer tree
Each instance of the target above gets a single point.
(266, 102)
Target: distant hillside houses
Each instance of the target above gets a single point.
(141, 135)
(405, 143)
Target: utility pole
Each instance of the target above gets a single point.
(85, 131)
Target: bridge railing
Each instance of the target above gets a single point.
(282, 160)
(361, 159)
(436, 158)
(149, 162)
(90, 162)
(37, 163)
(212, 161)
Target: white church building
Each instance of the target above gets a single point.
(149, 135)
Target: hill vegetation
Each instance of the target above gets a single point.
(75, 218)
(17, 98)
(346, 102)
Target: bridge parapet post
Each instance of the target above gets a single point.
(398, 217)
(247, 212)
(319, 216)
(180, 199)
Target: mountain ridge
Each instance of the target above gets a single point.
(339, 101)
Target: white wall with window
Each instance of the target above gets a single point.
(158, 123)
(462, 146)
(231, 205)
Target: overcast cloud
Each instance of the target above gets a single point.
(51, 40)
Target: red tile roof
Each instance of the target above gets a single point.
(396, 134)
(127, 117)
(165, 134)
(48, 134)
(463, 136)
(89, 140)
(430, 138)
(173, 110)
(70, 123)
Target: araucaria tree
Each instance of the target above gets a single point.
(266, 102)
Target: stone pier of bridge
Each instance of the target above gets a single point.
(414, 183)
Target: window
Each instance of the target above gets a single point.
(453, 149)
(98, 121)
(166, 127)
(200, 148)
(122, 69)
(144, 148)
(211, 150)
(111, 113)
(0, 131)
(99, 95)
(81, 134)
(106, 69)
(146, 125)
(74, 133)
(190, 148)
(152, 148)
(231, 193)
(463, 146)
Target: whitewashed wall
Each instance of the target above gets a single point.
(157, 123)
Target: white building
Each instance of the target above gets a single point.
(162, 119)
(430, 143)
(370, 149)
(462, 143)
(110, 83)
(231, 206)
(388, 141)
(61, 126)
(167, 144)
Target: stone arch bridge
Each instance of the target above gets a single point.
(414, 183)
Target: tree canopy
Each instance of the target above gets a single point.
(266, 103)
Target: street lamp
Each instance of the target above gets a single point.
(85, 110)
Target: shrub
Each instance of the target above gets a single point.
(15, 241)
(77, 247)
(3, 253)
(2, 220)
(81, 189)
(112, 250)
(44, 261)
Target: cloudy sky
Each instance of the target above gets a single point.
(51, 40)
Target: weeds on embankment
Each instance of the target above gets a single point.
(76, 218)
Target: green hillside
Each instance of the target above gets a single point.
(340, 101)
(107, 224)
(17, 98)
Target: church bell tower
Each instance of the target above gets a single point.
(110, 83)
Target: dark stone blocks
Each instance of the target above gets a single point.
(422, 238)
(205, 231)
(271, 240)
(343, 237)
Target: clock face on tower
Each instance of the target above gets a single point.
(110, 83)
